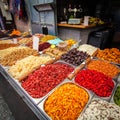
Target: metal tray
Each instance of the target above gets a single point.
(35, 100)
(107, 98)
(117, 64)
(118, 79)
(98, 113)
(96, 96)
(76, 68)
(8, 76)
(112, 97)
(62, 61)
(85, 60)
(94, 52)
(41, 104)
(115, 77)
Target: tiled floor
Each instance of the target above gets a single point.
(5, 113)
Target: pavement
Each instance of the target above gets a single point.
(5, 113)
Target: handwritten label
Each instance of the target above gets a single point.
(35, 43)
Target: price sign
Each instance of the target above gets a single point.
(35, 43)
(15, 41)
(86, 20)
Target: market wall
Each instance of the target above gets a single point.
(23, 24)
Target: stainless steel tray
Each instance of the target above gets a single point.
(96, 96)
(115, 77)
(6, 74)
(112, 97)
(104, 110)
(106, 98)
(41, 104)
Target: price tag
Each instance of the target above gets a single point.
(86, 20)
(15, 41)
(35, 43)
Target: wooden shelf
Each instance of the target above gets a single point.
(75, 26)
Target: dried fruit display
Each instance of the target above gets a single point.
(74, 57)
(10, 55)
(15, 32)
(25, 66)
(43, 80)
(62, 45)
(48, 37)
(39, 35)
(101, 110)
(7, 45)
(66, 102)
(97, 82)
(89, 49)
(25, 40)
(117, 96)
(6, 41)
(112, 55)
(54, 52)
(70, 42)
(44, 45)
(104, 67)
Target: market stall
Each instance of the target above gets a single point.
(79, 32)
(64, 80)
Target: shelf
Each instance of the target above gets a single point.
(76, 26)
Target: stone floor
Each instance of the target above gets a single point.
(5, 113)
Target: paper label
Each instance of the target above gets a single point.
(35, 43)
(86, 20)
(15, 41)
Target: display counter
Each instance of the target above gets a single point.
(27, 96)
(77, 32)
(76, 26)
(19, 103)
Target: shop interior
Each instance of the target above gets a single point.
(54, 53)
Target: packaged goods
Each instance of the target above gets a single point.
(62, 45)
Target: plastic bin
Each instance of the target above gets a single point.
(99, 38)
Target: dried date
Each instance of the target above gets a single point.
(74, 57)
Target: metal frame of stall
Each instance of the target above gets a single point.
(34, 108)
